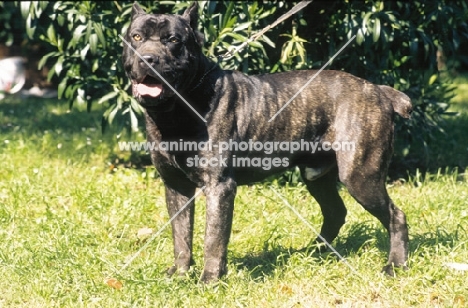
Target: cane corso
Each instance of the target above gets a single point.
(165, 60)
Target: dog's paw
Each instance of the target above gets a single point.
(177, 271)
(210, 276)
(390, 269)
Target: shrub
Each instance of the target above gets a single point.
(396, 44)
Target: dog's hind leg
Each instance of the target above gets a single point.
(363, 167)
(373, 196)
(324, 190)
(367, 186)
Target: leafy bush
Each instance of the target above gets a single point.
(396, 44)
(11, 22)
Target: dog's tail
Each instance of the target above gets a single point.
(400, 101)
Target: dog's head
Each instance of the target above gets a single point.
(165, 48)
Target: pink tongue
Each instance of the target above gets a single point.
(153, 90)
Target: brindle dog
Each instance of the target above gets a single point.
(335, 107)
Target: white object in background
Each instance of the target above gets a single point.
(457, 266)
(12, 75)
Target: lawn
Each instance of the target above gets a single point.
(74, 210)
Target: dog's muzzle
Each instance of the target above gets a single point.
(149, 86)
(150, 92)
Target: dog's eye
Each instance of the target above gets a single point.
(137, 37)
(173, 39)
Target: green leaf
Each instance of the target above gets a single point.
(30, 27)
(432, 79)
(95, 66)
(98, 31)
(231, 22)
(376, 30)
(70, 91)
(120, 102)
(135, 106)
(27, 9)
(78, 34)
(256, 44)
(268, 41)
(107, 97)
(61, 20)
(359, 37)
(237, 36)
(112, 114)
(61, 87)
(60, 46)
(83, 52)
(51, 73)
(365, 20)
(44, 59)
(133, 120)
(227, 14)
(253, 9)
(266, 14)
(93, 40)
(51, 34)
(242, 26)
(59, 65)
(287, 48)
(88, 30)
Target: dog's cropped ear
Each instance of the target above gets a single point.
(137, 10)
(191, 14)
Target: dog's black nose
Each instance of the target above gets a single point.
(150, 58)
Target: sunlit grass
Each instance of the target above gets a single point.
(70, 216)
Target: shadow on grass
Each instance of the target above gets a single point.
(32, 118)
(359, 239)
(35, 115)
(267, 262)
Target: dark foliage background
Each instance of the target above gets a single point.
(397, 43)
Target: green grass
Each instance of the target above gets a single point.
(70, 213)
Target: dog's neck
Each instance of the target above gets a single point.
(180, 120)
(206, 67)
(213, 67)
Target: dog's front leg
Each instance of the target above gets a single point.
(219, 212)
(182, 226)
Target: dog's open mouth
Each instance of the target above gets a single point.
(150, 86)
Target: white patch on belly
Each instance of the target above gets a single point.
(313, 173)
